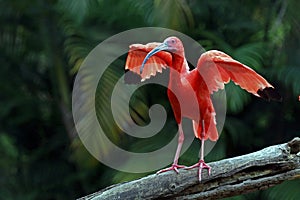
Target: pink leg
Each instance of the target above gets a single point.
(175, 165)
(201, 164)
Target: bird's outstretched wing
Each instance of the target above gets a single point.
(218, 68)
(157, 62)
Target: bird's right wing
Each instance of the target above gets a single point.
(157, 62)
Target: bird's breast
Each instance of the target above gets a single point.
(189, 98)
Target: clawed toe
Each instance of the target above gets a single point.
(201, 165)
(174, 167)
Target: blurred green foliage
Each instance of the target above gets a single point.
(43, 44)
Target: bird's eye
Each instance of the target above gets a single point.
(173, 41)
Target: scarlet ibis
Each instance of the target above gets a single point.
(217, 69)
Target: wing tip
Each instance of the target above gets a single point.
(269, 93)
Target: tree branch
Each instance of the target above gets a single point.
(229, 177)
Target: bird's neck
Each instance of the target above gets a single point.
(178, 70)
(178, 61)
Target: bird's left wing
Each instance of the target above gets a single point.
(219, 68)
(157, 62)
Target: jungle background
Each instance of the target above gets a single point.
(43, 43)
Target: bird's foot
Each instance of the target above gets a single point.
(201, 165)
(174, 167)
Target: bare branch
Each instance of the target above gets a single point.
(255, 171)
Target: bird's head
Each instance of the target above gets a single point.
(171, 44)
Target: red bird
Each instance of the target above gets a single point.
(217, 67)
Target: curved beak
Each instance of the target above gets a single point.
(161, 47)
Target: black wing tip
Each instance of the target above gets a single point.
(269, 93)
(131, 77)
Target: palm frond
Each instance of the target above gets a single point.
(251, 54)
(237, 98)
(288, 76)
(76, 10)
(167, 13)
(286, 190)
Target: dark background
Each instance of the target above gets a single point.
(43, 43)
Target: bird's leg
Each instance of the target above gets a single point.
(201, 164)
(175, 165)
